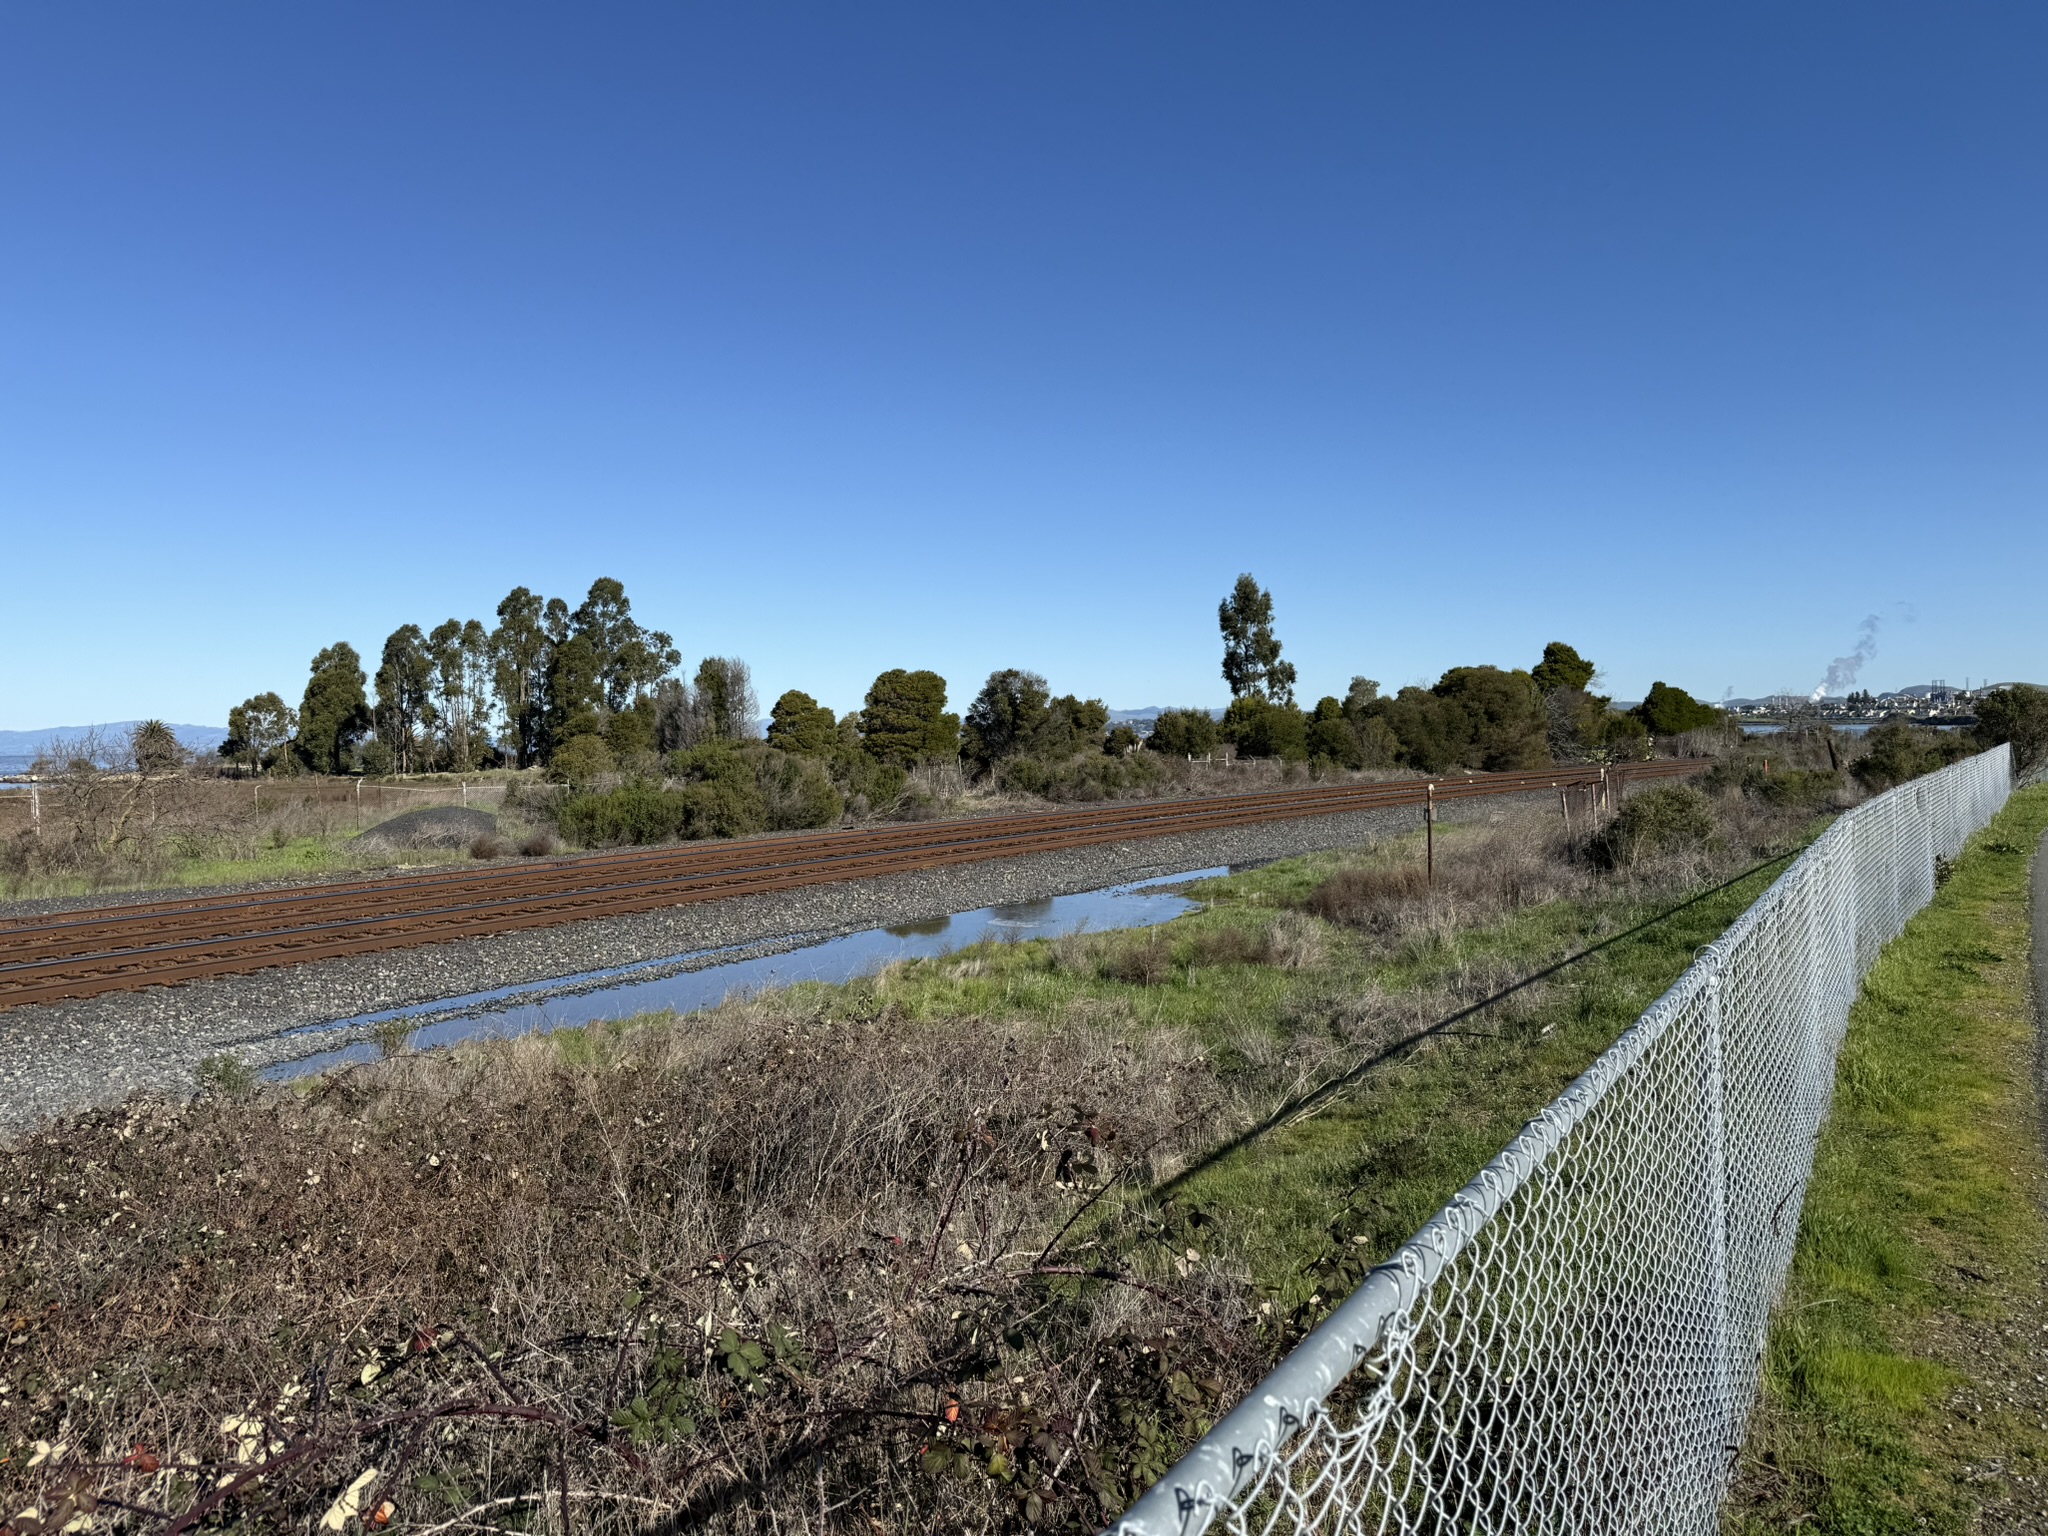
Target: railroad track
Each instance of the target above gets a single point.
(92, 951)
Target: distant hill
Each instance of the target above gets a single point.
(1144, 717)
(20, 748)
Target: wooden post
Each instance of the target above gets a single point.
(1564, 804)
(35, 806)
(1429, 833)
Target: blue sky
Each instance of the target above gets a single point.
(852, 337)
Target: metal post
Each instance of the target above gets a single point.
(35, 806)
(1429, 833)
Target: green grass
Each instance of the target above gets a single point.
(1329, 1187)
(1318, 1199)
(293, 859)
(1922, 1246)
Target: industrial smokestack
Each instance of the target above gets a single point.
(1843, 669)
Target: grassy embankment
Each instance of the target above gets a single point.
(107, 833)
(1904, 1382)
(980, 1240)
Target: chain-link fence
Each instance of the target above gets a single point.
(1572, 1345)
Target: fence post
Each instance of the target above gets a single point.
(1429, 833)
(35, 806)
(1727, 1417)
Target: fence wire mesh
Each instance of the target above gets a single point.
(1573, 1344)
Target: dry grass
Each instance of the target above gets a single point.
(772, 1271)
(103, 830)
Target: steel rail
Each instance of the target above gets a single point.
(784, 847)
(1401, 791)
(569, 878)
(154, 943)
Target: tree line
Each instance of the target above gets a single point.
(589, 690)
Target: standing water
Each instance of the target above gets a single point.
(664, 985)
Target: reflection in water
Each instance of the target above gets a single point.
(922, 930)
(502, 1013)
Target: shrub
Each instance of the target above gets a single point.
(538, 845)
(1183, 733)
(1005, 717)
(797, 792)
(631, 732)
(1562, 668)
(1260, 728)
(636, 813)
(722, 808)
(1121, 741)
(580, 761)
(1895, 752)
(799, 723)
(1370, 897)
(1475, 717)
(1623, 738)
(1794, 788)
(1140, 965)
(2017, 713)
(486, 847)
(1799, 788)
(1672, 818)
(1025, 776)
(1085, 777)
(905, 721)
(1668, 711)
(1330, 735)
(228, 1076)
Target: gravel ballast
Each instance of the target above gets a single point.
(63, 1057)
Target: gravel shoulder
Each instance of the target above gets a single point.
(65, 1057)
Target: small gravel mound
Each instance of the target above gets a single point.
(438, 826)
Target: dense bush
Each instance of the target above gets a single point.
(1015, 715)
(1183, 733)
(581, 761)
(1084, 777)
(1475, 717)
(1006, 715)
(1672, 818)
(721, 789)
(1260, 728)
(1562, 670)
(2016, 714)
(904, 721)
(1895, 752)
(635, 813)
(799, 723)
(1330, 735)
(1668, 711)
(799, 791)
(1795, 788)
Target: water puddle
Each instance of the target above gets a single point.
(683, 983)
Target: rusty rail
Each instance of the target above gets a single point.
(96, 950)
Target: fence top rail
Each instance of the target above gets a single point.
(1238, 1450)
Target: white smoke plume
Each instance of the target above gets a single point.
(1843, 669)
